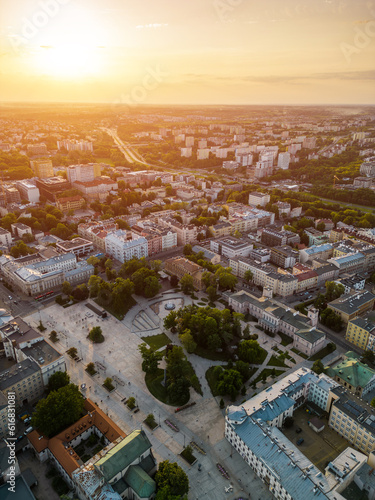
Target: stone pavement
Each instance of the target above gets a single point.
(120, 359)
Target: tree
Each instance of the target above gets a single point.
(230, 382)
(67, 288)
(93, 261)
(53, 336)
(170, 321)
(211, 292)
(373, 402)
(93, 284)
(174, 280)
(331, 319)
(225, 278)
(368, 357)
(248, 276)
(58, 410)
(334, 290)
(188, 341)
(318, 367)
(122, 290)
(81, 292)
(96, 335)
(171, 480)
(188, 249)
(249, 351)
(187, 284)
(151, 286)
(150, 358)
(58, 380)
(108, 264)
(139, 279)
(288, 422)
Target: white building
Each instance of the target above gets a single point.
(283, 161)
(124, 245)
(231, 247)
(203, 154)
(5, 238)
(186, 152)
(256, 198)
(28, 191)
(84, 173)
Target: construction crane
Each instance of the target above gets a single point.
(334, 180)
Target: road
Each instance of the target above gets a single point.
(23, 305)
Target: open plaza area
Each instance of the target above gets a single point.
(118, 357)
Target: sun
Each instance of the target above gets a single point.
(68, 61)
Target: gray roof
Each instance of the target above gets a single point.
(21, 491)
(18, 372)
(350, 303)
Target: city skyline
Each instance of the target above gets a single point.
(208, 52)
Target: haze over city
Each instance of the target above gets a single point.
(203, 51)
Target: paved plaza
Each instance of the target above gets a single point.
(118, 357)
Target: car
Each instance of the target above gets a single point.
(300, 441)
(27, 420)
(15, 302)
(83, 386)
(298, 430)
(10, 297)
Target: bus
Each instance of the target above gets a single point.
(44, 295)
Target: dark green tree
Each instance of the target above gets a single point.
(96, 335)
(171, 481)
(58, 380)
(58, 410)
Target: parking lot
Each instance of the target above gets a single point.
(319, 448)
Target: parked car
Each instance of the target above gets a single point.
(298, 430)
(27, 420)
(300, 441)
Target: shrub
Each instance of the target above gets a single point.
(131, 403)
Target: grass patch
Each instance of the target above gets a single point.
(213, 356)
(119, 315)
(204, 300)
(285, 339)
(296, 351)
(201, 304)
(266, 373)
(274, 348)
(274, 361)
(262, 356)
(157, 341)
(322, 353)
(154, 385)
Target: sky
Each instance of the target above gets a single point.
(188, 51)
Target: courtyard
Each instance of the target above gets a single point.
(319, 448)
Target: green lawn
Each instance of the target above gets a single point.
(126, 307)
(153, 382)
(267, 372)
(299, 353)
(157, 341)
(285, 339)
(214, 356)
(262, 356)
(321, 354)
(364, 208)
(275, 361)
(105, 160)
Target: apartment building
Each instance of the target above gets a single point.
(352, 420)
(307, 280)
(51, 187)
(221, 229)
(231, 247)
(124, 245)
(257, 198)
(353, 305)
(361, 332)
(97, 231)
(316, 251)
(284, 256)
(42, 168)
(85, 172)
(28, 191)
(368, 167)
(77, 246)
(25, 380)
(5, 238)
(272, 237)
(186, 233)
(349, 263)
(212, 257)
(97, 189)
(19, 229)
(179, 266)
